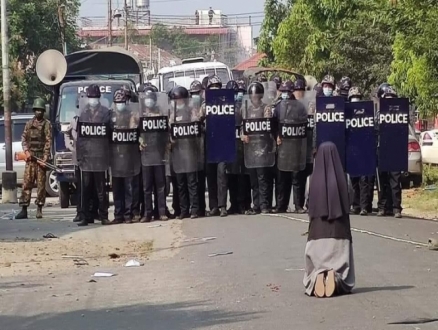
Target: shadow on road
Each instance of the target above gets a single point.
(383, 288)
(182, 316)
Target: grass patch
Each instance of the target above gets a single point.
(421, 200)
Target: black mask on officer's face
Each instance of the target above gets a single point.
(39, 114)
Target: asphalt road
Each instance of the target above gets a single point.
(258, 286)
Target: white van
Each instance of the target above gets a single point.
(191, 69)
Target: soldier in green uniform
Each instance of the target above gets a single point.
(36, 141)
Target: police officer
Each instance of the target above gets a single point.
(300, 177)
(92, 147)
(124, 157)
(328, 85)
(259, 151)
(217, 182)
(197, 99)
(69, 138)
(363, 186)
(261, 78)
(239, 185)
(154, 146)
(36, 141)
(185, 151)
(390, 182)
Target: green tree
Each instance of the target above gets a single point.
(33, 28)
(275, 12)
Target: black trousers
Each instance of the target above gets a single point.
(93, 182)
(299, 180)
(154, 176)
(123, 196)
(261, 180)
(188, 193)
(361, 191)
(284, 189)
(201, 193)
(217, 183)
(92, 205)
(137, 195)
(239, 186)
(390, 187)
(166, 193)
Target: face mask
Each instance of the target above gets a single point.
(120, 106)
(93, 102)
(285, 96)
(239, 96)
(327, 91)
(355, 99)
(149, 103)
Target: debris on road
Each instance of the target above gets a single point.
(114, 255)
(92, 281)
(50, 235)
(133, 263)
(292, 269)
(433, 244)
(204, 239)
(99, 274)
(156, 226)
(220, 254)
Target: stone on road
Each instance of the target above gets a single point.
(258, 286)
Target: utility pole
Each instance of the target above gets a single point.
(61, 19)
(126, 24)
(110, 23)
(9, 177)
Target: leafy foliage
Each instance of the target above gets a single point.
(33, 28)
(371, 41)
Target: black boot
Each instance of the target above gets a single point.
(39, 213)
(224, 212)
(77, 218)
(83, 223)
(22, 214)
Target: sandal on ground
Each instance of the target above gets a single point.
(319, 290)
(330, 284)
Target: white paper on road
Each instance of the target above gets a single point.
(133, 263)
(98, 274)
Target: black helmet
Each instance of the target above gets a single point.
(300, 85)
(214, 81)
(287, 86)
(205, 82)
(242, 86)
(382, 89)
(277, 79)
(120, 96)
(93, 91)
(232, 84)
(195, 86)
(256, 88)
(179, 92)
(390, 91)
(150, 93)
(345, 84)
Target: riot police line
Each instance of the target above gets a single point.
(254, 143)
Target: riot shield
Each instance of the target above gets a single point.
(292, 152)
(258, 129)
(360, 151)
(393, 135)
(308, 101)
(330, 123)
(238, 166)
(92, 147)
(124, 153)
(270, 94)
(220, 126)
(186, 135)
(154, 128)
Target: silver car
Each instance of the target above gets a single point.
(415, 164)
(18, 123)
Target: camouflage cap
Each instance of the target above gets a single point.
(328, 79)
(354, 92)
(120, 96)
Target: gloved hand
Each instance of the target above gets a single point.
(28, 155)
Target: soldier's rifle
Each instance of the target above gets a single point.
(22, 156)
